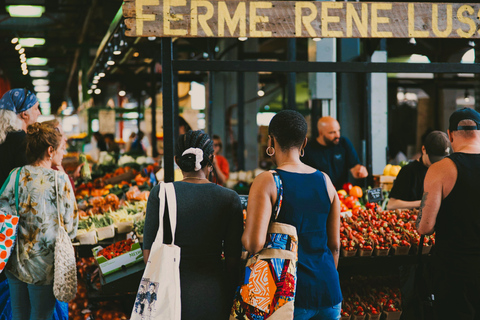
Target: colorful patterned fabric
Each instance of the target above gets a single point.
(8, 226)
(270, 275)
(33, 255)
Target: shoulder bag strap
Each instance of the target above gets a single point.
(60, 224)
(278, 204)
(16, 189)
(162, 204)
(172, 208)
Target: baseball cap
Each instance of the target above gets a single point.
(464, 114)
(437, 146)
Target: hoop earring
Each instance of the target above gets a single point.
(302, 152)
(270, 153)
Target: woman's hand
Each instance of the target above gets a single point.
(261, 198)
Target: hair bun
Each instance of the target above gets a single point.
(34, 128)
(187, 162)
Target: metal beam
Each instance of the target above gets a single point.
(339, 67)
(168, 110)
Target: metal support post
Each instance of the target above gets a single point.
(153, 106)
(241, 120)
(292, 76)
(168, 110)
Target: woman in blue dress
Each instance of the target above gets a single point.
(310, 203)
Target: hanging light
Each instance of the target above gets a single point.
(101, 74)
(467, 96)
(14, 40)
(116, 45)
(21, 51)
(122, 93)
(97, 91)
(242, 39)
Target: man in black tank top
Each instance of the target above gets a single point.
(450, 208)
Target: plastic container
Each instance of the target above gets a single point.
(106, 232)
(89, 237)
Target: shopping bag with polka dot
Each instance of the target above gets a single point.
(8, 225)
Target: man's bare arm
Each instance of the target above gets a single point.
(422, 205)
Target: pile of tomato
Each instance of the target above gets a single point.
(369, 229)
(369, 296)
(116, 249)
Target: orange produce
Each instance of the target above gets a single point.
(356, 191)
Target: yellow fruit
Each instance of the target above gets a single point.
(342, 192)
(386, 170)
(394, 170)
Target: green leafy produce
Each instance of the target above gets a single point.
(102, 220)
(85, 172)
(139, 225)
(86, 224)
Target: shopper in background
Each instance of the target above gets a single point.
(129, 142)
(407, 188)
(101, 145)
(209, 222)
(333, 154)
(450, 209)
(220, 163)
(310, 203)
(18, 109)
(137, 147)
(112, 146)
(30, 268)
(183, 126)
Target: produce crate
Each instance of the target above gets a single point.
(124, 227)
(348, 253)
(106, 232)
(392, 315)
(401, 250)
(373, 316)
(88, 238)
(364, 253)
(346, 318)
(381, 252)
(125, 260)
(357, 317)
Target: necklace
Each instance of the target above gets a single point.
(194, 178)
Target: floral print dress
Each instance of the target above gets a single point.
(32, 259)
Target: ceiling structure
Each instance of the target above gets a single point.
(72, 29)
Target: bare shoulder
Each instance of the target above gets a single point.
(264, 179)
(441, 170)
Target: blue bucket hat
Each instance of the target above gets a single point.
(18, 100)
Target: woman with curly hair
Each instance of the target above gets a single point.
(43, 194)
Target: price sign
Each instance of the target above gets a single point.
(375, 195)
(244, 201)
(106, 121)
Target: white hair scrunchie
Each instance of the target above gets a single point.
(198, 156)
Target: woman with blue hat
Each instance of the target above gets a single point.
(19, 108)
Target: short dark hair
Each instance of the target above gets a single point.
(193, 139)
(40, 136)
(289, 129)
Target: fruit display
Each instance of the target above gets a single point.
(116, 249)
(370, 297)
(391, 170)
(380, 231)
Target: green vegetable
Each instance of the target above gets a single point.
(102, 220)
(85, 172)
(139, 225)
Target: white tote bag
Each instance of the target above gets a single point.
(158, 296)
(65, 266)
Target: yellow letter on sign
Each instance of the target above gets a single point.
(466, 20)
(140, 17)
(305, 20)
(362, 25)
(376, 20)
(202, 19)
(326, 19)
(167, 17)
(254, 19)
(411, 24)
(448, 28)
(239, 17)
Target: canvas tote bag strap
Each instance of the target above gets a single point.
(172, 208)
(60, 224)
(16, 189)
(161, 197)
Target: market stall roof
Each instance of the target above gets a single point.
(72, 31)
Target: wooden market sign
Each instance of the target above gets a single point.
(306, 19)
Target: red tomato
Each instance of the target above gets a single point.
(347, 187)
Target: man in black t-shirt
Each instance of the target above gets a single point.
(407, 189)
(333, 154)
